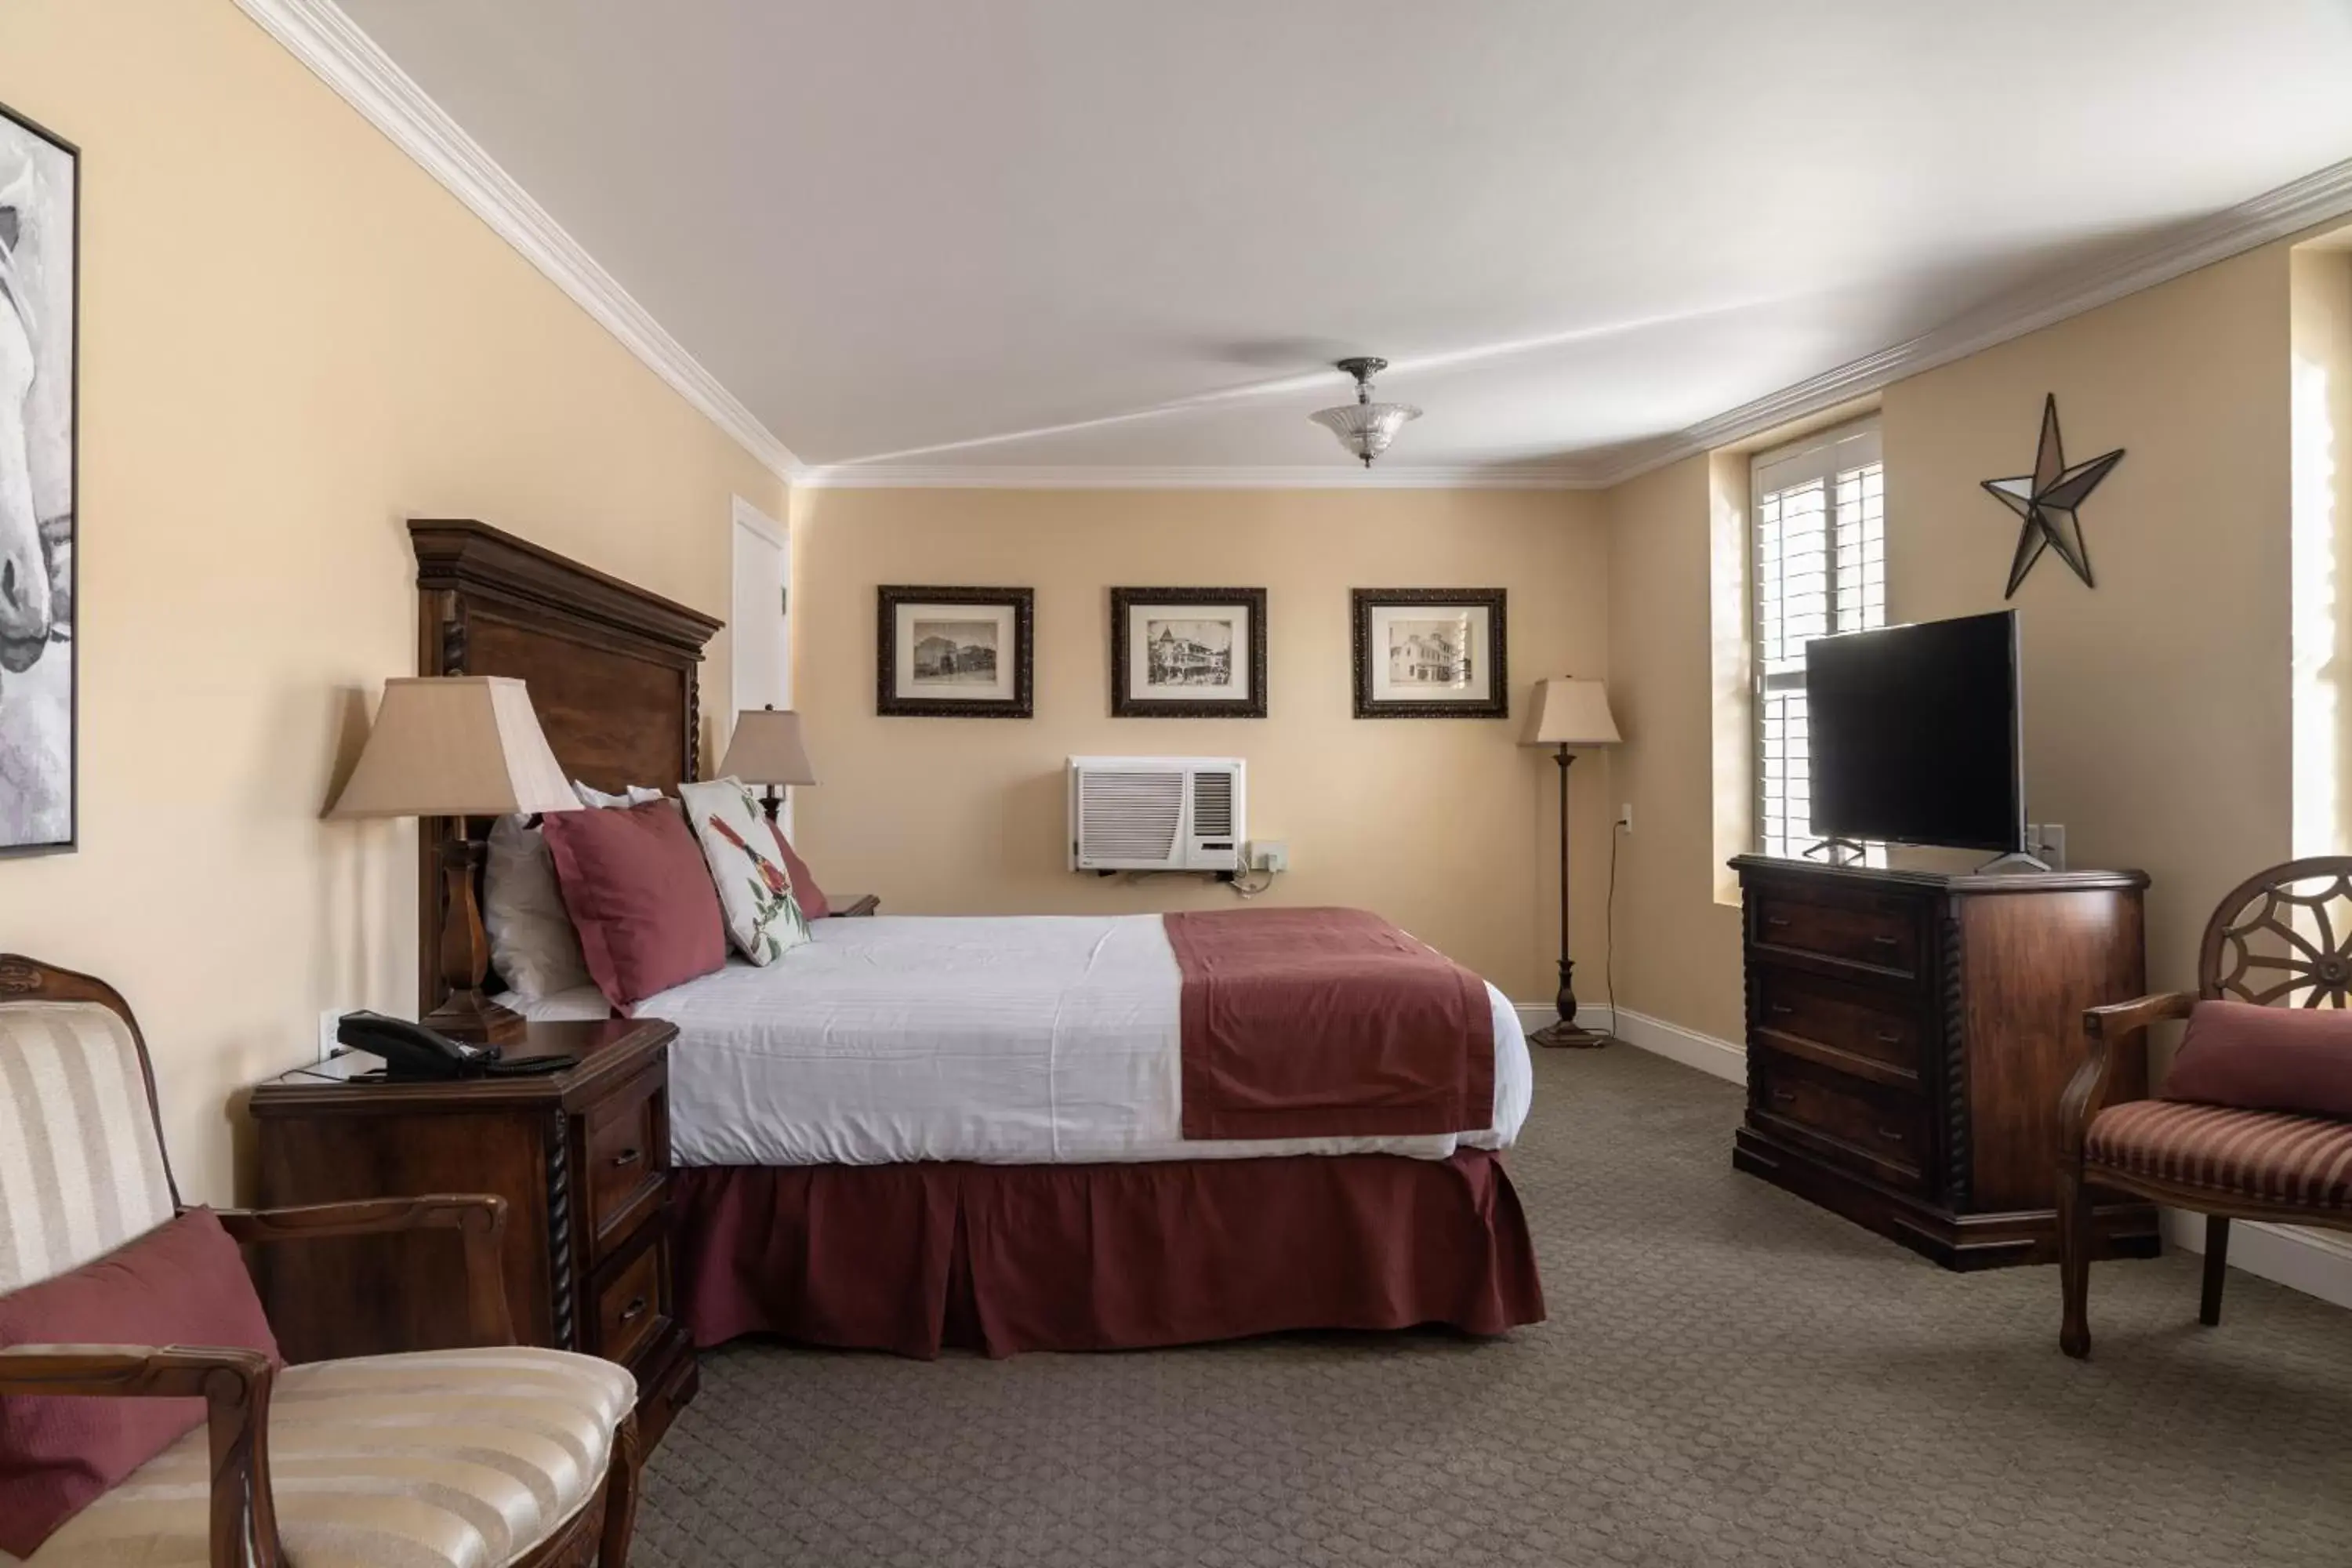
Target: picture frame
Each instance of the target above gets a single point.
(1431, 653)
(40, 352)
(1188, 653)
(954, 653)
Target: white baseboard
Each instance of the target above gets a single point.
(2316, 1262)
(1716, 1058)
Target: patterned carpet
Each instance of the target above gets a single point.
(1729, 1376)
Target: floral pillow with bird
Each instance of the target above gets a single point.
(755, 893)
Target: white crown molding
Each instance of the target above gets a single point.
(1338, 475)
(2316, 198)
(332, 45)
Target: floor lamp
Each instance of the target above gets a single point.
(1569, 712)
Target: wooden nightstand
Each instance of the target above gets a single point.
(582, 1158)
(852, 905)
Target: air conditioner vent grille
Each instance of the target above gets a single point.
(1130, 815)
(1213, 804)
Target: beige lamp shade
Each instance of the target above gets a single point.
(454, 745)
(767, 748)
(1571, 712)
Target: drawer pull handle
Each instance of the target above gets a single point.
(1893, 1135)
(1886, 940)
(634, 1310)
(627, 1157)
(1888, 1037)
(1780, 1009)
(1784, 1096)
(1776, 919)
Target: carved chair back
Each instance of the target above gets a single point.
(2283, 937)
(82, 1168)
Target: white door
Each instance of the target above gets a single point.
(761, 625)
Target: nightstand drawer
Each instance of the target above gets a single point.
(625, 1148)
(1868, 1033)
(1847, 925)
(629, 1310)
(1880, 1134)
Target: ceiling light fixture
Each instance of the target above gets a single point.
(1363, 426)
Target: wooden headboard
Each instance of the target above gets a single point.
(610, 669)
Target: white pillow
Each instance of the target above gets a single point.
(755, 893)
(532, 944)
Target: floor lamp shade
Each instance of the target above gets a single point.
(458, 746)
(1567, 712)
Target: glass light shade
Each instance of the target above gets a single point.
(1366, 428)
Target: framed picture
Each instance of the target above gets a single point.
(40, 218)
(955, 653)
(1431, 653)
(1188, 653)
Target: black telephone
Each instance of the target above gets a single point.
(413, 1053)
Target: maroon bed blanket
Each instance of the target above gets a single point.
(1325, 1023)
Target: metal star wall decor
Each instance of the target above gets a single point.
(2047, 500)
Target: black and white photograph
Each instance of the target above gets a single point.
(39, 218)
(1188, 653)
(1430, 653)
(953, 652)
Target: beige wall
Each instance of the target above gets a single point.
(2156, 706)
(1447, 826)
(293, 339)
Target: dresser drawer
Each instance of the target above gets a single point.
(629, 1310)
(1879, 1133)
(1850, 925)
(625, 1148)
(1869, 1033)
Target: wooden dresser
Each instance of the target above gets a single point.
(1908, 1037)
(582, 1158)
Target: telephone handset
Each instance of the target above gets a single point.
(413, 1053)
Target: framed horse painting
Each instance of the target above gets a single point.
(40, 215)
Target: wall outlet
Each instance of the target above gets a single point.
(2046, 842)
(328, 1044)
(1625, 816)
(1271, 855)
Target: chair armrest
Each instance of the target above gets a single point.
(234, 1385)
(2117, 1038)
(480, 1218)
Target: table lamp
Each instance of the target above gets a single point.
(767, 749)
(1569, 712)
(458, 746)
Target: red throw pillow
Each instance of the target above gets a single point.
(182, 1283)
(2265, 1058)
(639, 893)
(805, 892)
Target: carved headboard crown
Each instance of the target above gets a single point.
(610, 669)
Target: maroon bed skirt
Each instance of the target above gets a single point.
(1004, 1258)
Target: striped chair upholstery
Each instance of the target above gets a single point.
(81, 1167)
(438, 1459)
(2263, 1155)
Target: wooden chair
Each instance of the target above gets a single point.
(513, 1457)
(2281, 938)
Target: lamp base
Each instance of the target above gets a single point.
(1566, 1033)
(470, 1015)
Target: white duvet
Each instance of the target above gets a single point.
(1010, 1039)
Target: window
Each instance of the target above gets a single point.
(1819, 560)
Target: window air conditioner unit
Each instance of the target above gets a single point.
(1155, 814)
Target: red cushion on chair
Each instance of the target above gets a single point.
(182, 1283)
(2265, 1058)
(805, 892)
(639, 893)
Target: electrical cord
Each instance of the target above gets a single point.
(1609, 929)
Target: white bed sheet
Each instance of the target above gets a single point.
(1043, 1039)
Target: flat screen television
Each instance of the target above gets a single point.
(1915, 734)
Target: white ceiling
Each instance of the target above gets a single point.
(1102, 234)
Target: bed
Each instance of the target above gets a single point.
(916, 1132)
